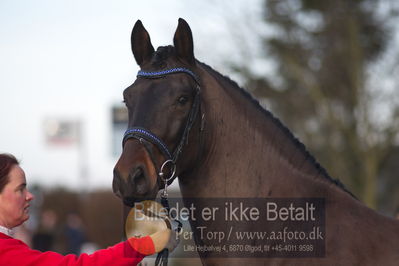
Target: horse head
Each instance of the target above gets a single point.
(163, 105)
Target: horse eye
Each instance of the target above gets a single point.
(182, 100)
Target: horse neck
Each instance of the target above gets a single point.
(248, 153)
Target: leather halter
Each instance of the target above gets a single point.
(142, 133)
(171, 158)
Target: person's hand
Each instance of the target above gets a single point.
(148, 220)
(166, 238)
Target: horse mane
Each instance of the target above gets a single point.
(297, 143)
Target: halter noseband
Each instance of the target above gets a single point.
(145, 134)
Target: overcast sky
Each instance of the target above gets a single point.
(71, 59)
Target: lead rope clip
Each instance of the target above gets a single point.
(166, 180)
(164, 193)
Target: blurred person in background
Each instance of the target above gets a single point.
(15, 200)
(43, 239)
(74, 233)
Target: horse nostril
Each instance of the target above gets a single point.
(138, 172)
(135, 176)
(137, 179)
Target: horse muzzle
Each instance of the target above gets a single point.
(135, 177)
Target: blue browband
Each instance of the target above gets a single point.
(157, 74)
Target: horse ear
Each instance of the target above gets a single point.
(183, 42)
(141, 43)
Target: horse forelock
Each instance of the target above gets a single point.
(161, 55)
(297, 143)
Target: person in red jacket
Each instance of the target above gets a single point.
(15, 199)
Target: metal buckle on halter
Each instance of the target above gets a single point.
(162, 175)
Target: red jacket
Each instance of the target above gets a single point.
(15, 252)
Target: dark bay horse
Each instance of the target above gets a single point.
(225, 145)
